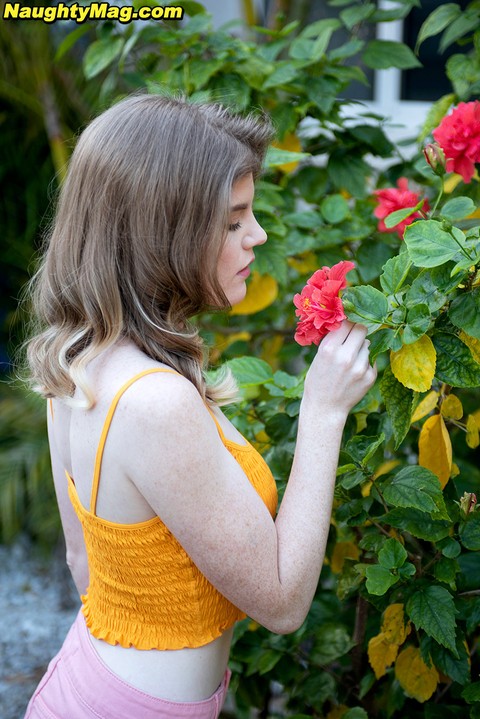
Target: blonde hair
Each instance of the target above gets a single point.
(133, 250)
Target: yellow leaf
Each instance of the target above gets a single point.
(366, 489)
(261, 292)
(361, 420)
(452, 407)
(435, 448)
(451, 182)
(393, 626)
(473, 345)
(342, 551)
(414, 365)
(262, 440)
(337, 712)
(473, 439)
(424, 407)
(476, 417)
(416, 679)
(305, 264)
(270, 349)
(381, 654)
(291, 143)
(386, 467)
(222, 342)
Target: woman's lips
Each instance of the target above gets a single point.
(245, 272)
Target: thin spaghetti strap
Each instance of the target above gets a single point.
(220, 430)
(51, 408)
(106, 427)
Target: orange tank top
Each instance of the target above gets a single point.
(144, 590)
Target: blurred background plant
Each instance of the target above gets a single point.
(394, 627)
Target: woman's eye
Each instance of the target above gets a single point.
(235, 226)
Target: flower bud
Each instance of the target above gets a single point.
(468, 502)
(435, 157)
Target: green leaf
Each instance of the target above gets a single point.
(459, 27)
(382, 54)
(415, 487)
(470, 532)
(396, 217)
(250, 371)
(437, 21)
(417, 523)
(380, 341)
(451, 548)
(428, 244)
(348, 172)
(331, 642)
(445, 570)
(399, 401)
(313, 42)
(432, 609)
(457, 669)
(100, 55)
(354, 15)
(70, 40)
(418, 322)
(457, 208)
(365, 305)
(472, 693)
(392, 555)
(395, 272)
(355, 713)
(425, 290)
(436, 114)
(348, 49)
(455, 364)
(200, 70)
(283, 74)
(334, 209)
(370, 257)
(464, 312)
(379, 579)
(374, 138)
(276, 157)
(361, 448)
(280, 427)
(406, 570)
(320, 28)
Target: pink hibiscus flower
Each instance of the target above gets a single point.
(319, 306)
(397, 198)
(459, 136)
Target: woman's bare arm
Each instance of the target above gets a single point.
(72, 529)
(267, 568)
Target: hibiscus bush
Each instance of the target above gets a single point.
(355, 230)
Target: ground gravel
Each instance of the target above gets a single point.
(38, 603)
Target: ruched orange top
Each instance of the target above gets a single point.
(144, 589)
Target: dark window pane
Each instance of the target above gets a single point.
(430, 81)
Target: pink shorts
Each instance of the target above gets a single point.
(78, 685)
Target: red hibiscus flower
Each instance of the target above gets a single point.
(319, 306)
(397, 198)
(459, 136)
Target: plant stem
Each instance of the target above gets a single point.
(439, 197)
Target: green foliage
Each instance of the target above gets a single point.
(399, 535)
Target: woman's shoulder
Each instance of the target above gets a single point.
(145, 388)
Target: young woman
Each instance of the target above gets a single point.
(169, 513)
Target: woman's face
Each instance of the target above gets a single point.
(244, 233)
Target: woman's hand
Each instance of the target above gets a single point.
(341, 374)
